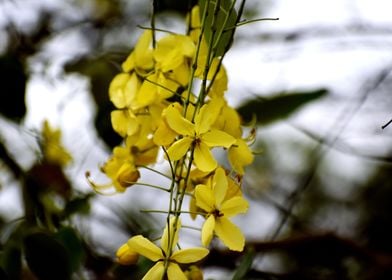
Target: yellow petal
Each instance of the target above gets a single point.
(145, 247)
(129, 63)
(208, 115)
(124, 122)
(230, 234)
(126, 175)
(233, 189)
(207, 231)
(179, 148)
(234, 206)
(172, 228)
(116, 90)
(164, 135)
(166, 88)
(216, 137)
(178, 123)
(219, 186)
(125, 256)
(143, 53)
(192, 208)
(189, 255)
(180, 74)
(155, 272)
(229, 121)
(123, 89)
(205, 198)
(240, 155)
(174, 272)
(172, 50)
(219, 86)
(147, 92)
(203, 158)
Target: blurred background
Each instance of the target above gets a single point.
(320, 190)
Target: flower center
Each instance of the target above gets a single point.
(217, 213)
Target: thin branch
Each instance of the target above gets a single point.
(336, 130)
(385, 125)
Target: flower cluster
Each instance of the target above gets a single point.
(170, 98)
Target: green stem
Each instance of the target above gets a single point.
(194, 63)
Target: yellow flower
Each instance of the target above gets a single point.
(166, 258)
(142, 148)
(155, 88)
(200, 135)
(172, 51)
(219, 210)
(240, 155)
(121, 169)
(164, 135)
(126, 256)
(122, 93)
(52, 148)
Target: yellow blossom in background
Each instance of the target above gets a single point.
(52, 148)
(212, 200)
(194, 273)
(166, 258)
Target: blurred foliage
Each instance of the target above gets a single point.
(278, 106)
(46, 242)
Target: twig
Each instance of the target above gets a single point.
(385, 125)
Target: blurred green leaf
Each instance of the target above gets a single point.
(68, 237)
(221, 20)
(46, 257)
(13, 85)
(245, 265)
(277, 107)
(79, 205)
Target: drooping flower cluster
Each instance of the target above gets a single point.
(170, 97)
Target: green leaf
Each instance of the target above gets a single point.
(277, 107)
(245, 265)
(46, 257)
(69, 238)
(222, 20)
